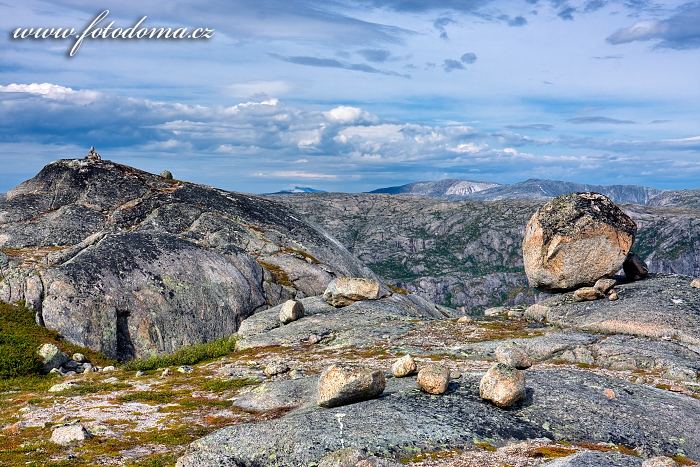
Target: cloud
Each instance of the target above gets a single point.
(375, 55)
(296, 174)
(52, 92)
(598, 119)
(567, 13)
(516, 21)
(609, 57)
(468, 58)
(531, 126)
(260, 88)
(441, 25)
(450, 65)
(346, 114)
(680, 31)
(333, 63)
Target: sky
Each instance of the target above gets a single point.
(353, 95)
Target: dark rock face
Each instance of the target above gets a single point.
(130, 264)
(564, 405)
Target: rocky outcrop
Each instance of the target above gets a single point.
(132, 264)
(576, 239)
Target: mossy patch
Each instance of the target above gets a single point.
(222, 385)
(279, 275)
(189, 355)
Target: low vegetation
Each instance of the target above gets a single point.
(190, 355)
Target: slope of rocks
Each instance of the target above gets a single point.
(130, 264)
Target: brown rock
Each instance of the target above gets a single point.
(503, 385)
(613, 296)
(404, 366)
(585, 294)
(434, 379)
(635, 268)
(346, 384)
(344, 291)
(660, 461)
(604, 285)
(576, 239)
(695, 283)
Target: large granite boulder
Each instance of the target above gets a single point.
(132, 264)
(576, 239)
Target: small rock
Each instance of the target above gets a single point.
(111, 380)
(313, 339)
(107, 369)
(69, 434)
(51, 357)
(274, 369)
(71, 365)
(514, 356)
(660, 461)
(166, 174)
(291, 310)
(695, 283)
(502, 385)
(613, 296)
(434, 379)
(537, 312)
(165, 373)
(404, 366)
(634, 268)
(60, 387)
(465, 320)
(609, 393)
(139, 374)
(495, 311)
(604, 285)
(346, 384)
(344, 291)
(55, 371)
(186, 369)
(78, 357)
(587, 294)
(515, 312)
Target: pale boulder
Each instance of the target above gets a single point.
(585, 294)
(695, 283)
(51, 357)
(69, 434)
(604, 285)
(502, 385)
(404, 366)
(576, 239)
(513, 355)
(344, 291)
(290, 311)
(346, 384)
(434, 379)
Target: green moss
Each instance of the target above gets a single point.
(302, 253)
(221, 385)
(277, 272)
(485, 445)
(397, 290)
(94, 388)
(157, 397)
(190, 355)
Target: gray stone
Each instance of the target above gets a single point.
(291, 310)
(60, 387)
(344, 291)
(346, 384)
(166, 174)
(513, 355)
(51, 357)
(596, 459)
(69, 434)
(78, 357)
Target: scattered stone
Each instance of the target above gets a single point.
(107, 369)
(346, 384)
(78, 357)
(139, 373)
(434, 379)
(660, 461)
(585, 294)
(604, 285)
(166, 174)
(503, 385)
(609, 393)
(344, 291)
(165, 373)
(576, 239)
(60, 387)
(404, 366)
(185, 369)
(495, 311)
(513, 355)
(69, 434)
(537, 312)
(465, 320)
(635, 268)
(274, 369)
(613, 296)
(51, 357)
(291, 310)
(695, 283)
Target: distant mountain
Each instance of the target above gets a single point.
(529, 189)
(542, 189)
(440, 188)
(297, 189)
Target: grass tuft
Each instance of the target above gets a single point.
(190, 355)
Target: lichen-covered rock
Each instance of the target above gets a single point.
(596, 459)
(404, 366)
(346, 384)
(513, 355)
(291, 310)
(344, 291)
(51, 357)
(659, 461)
(576, 239)
(69, 434)
(132, 264)
(503, 385)
(433, 379)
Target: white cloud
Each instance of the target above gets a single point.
(52, 91)
(256, 88)
(345, 114)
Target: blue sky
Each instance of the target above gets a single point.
(351, 95)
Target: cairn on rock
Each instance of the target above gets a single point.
(93, 155)
(576, 239)
(346, 384)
